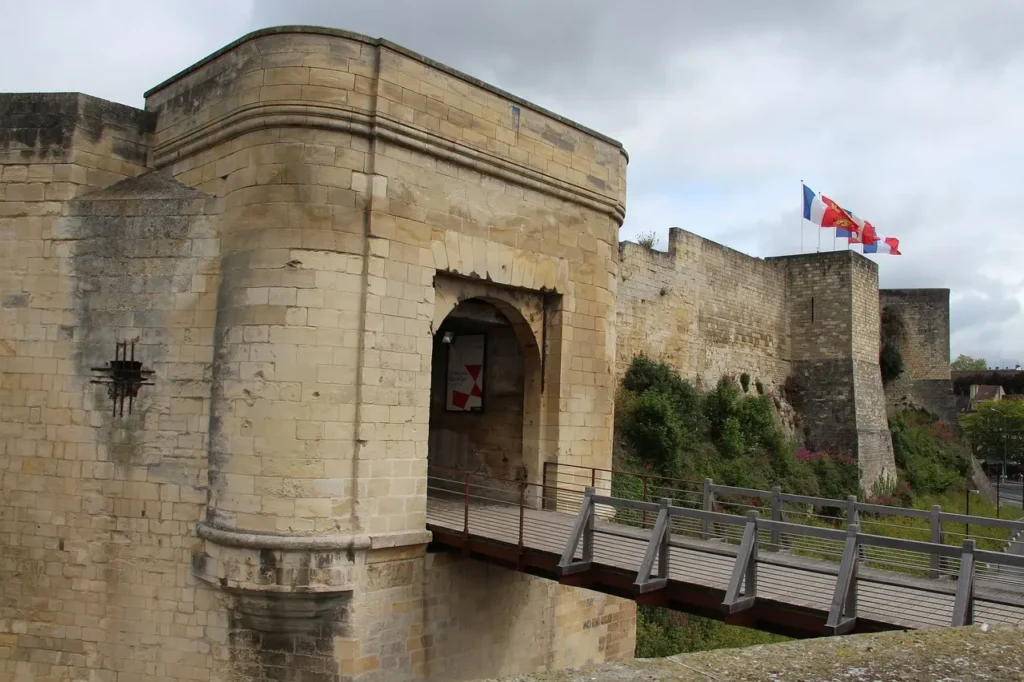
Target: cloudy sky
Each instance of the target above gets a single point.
(908, 112)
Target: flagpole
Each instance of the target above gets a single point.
(800, 216)
(835, 233)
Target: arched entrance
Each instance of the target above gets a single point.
(484, 394)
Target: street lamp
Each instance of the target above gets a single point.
(967, 498)
(1002, 473)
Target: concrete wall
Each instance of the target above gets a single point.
(260, 514)
(924, 345)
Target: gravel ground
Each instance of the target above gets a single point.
(941, 655)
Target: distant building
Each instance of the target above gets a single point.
(968, 384)
(980, 393)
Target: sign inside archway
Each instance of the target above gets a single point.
(465, 390)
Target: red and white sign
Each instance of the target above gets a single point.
(466, 373)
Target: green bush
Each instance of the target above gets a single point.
(655, 431)
(929, 455)
(757, 424)
(890, 362)
(646, 376)
(719, 405)
(661, 632)
(670, 429)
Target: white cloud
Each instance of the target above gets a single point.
(905, 112)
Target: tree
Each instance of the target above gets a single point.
(965, 363)
(996, 430)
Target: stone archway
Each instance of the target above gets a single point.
(496, 433)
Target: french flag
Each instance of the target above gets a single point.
(865, 233)
(889, 245)
(824, 212)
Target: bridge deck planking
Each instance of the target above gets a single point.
(548, 531)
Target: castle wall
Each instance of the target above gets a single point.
(705, 309)
(807, 326)
(261, 513)
(874, 441)
(923, 315)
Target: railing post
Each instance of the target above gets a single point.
(643, 522)
(588, 529)
(709, 504)
(853, 518)
(593, 477)
(776, 516)
(742, 590)
(582, 527)
(522, 513)
(963, 606)
(663, 565)
(935, 521)
(842, 615)
(544, 486)
(465, 514)
(657, 546)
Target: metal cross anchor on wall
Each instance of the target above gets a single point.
(123, 377)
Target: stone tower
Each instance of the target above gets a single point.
(222, 380)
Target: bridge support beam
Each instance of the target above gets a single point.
(842, 616)
(963, 605)
(742, 590)
(657, 547)
(582, 530)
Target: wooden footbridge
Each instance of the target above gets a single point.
(793, 564)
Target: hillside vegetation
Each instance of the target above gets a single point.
(668, 429)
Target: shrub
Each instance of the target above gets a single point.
(661, 632)
(731, 443)
(655, 431)
(757, 424)
(719, 404)
(837, 475)
(890, 361)
(929, 455)
(645, 376)
(647, 239)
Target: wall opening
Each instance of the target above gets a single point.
(478, 395)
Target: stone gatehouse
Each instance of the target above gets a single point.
(245, 329)
(227, 334)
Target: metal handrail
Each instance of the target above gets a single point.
(963, 562)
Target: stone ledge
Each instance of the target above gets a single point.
(304, 114)
(311, 543)
(381, 42)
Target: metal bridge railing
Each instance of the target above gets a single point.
(942, 527)
(958, 563)
(751, 527)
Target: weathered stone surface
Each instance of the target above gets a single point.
(282, 231)
(923, 316)
(812, 319)
(973, 654)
